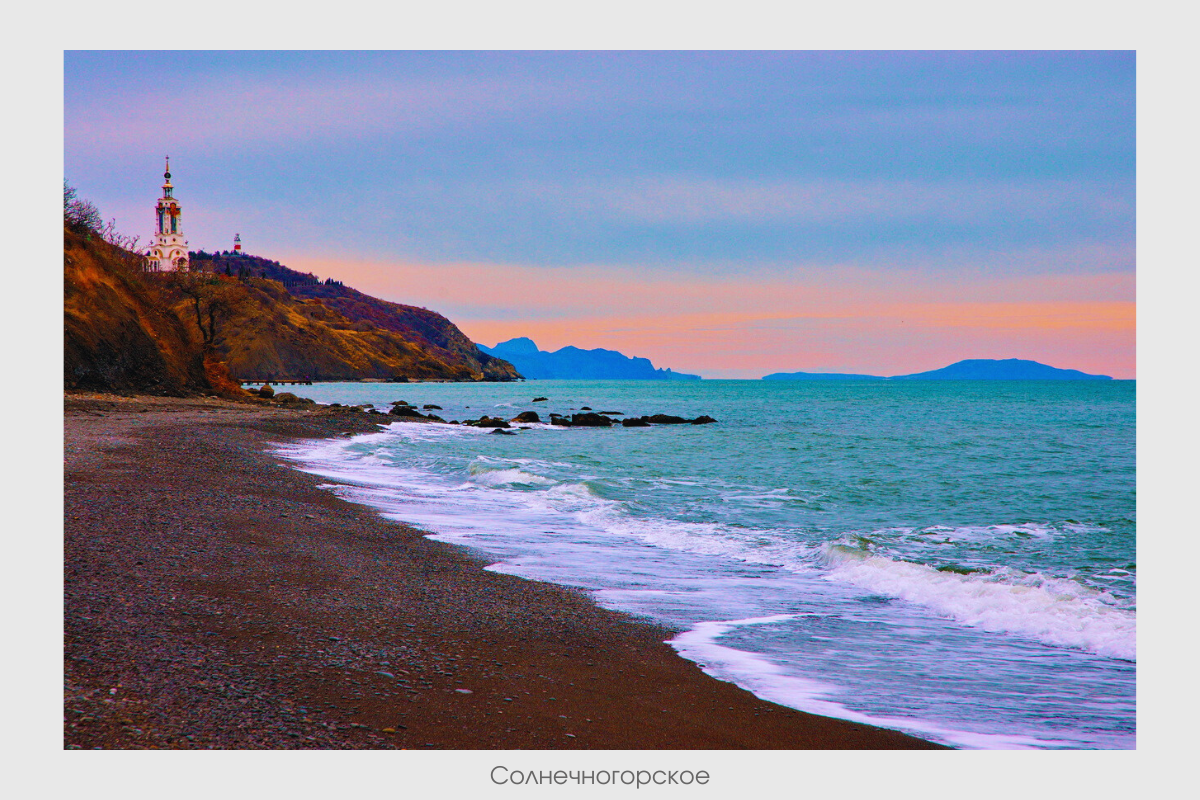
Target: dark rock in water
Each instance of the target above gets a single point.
(591, 420)
(491, 422)
(635, 422)
(405, 411)
(503, 432)
(429, 406)
(559, 419)
(666, 419)
(527, 416)
(585, 408)
(703, 419)
(401, 403)
(335, 405)
(539, 399)
(434, 418)
(266, 391)
(618, 413)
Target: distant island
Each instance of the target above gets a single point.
(971, 369)
(575, 363)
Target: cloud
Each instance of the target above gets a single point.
(703, 201)
(278, 111)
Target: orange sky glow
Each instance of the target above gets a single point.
(828, 319)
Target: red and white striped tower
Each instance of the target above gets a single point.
(237, 243)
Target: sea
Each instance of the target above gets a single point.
(952, 559)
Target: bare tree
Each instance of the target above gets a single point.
(80, 215)
(213, 299)
(114, 237)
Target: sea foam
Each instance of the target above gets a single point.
(1056, 611)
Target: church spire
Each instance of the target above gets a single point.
(168, 250)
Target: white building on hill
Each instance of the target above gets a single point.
(169, 250)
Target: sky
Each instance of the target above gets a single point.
(730, 214)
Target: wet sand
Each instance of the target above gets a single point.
(216, 598)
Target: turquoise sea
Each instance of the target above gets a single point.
(952, 559)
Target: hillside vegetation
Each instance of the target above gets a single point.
(292, 325)
(118, 332)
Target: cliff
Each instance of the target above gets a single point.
(118, 333)
(575, 363)
(185, 333)
(278, 323)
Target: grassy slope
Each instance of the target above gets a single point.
(303, 327)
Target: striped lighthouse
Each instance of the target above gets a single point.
(237, 243)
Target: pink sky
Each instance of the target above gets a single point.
(828, 319)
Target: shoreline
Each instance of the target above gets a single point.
(215, 597)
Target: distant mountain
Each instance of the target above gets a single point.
(574, 363)
(819, 376)
(972, 369)
(1008, 369)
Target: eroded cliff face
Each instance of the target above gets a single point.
(118, 334)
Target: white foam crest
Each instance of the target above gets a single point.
(976, 533)
(1055, 611)
(508, 477)
(430, 431)
(758, 547)
(769, 681)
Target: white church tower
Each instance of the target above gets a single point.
(169, 250)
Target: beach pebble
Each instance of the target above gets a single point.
(464, 691)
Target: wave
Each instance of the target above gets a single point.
(1055, 611)
(769, 681)
(489, 476)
